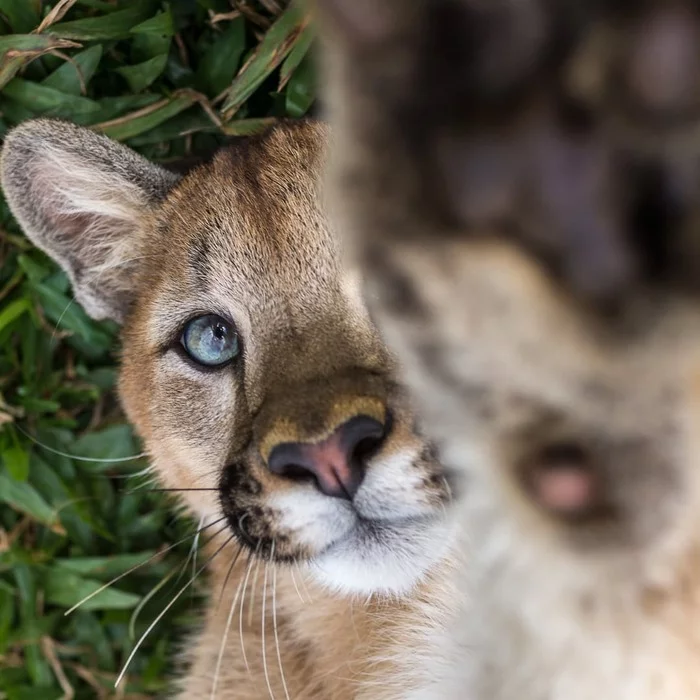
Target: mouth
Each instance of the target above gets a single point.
(376, 531)
(383, 541)
(383, 557)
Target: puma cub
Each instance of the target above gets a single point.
(520, 179)
(263, 392)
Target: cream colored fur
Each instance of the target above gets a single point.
(492, 295)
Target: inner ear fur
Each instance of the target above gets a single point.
(83, 198)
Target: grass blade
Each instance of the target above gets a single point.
(279, 40)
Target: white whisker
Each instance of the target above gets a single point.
(296, 587)
(262, 621)
(145, 600)
(138, 566)
(93, 279)
(303, 580)
(193, 550)
(78, 458)
(195, 547)
(165, 610)
(134, 475)
(274, 624)
(60, 318)
(240, 616)
(448, 488)
(251, 605)
(228, 573)
(224, 639)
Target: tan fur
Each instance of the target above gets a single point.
(244, 237)
(285, 430)
(493, 279)
(330, 646)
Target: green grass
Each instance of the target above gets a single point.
(172, 79)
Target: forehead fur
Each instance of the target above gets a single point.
(246, 209)
(247, 229)
(245, 237)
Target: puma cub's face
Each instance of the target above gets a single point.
(535, 267)
(249, 364)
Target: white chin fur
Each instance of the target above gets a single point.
(383, 559)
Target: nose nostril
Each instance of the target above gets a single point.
(285, 460)
(563, 480)
(369, 445)
(336, 464)
(366, 449)
(361, 429)
(296, 472)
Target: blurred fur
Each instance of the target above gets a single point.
(519, 179)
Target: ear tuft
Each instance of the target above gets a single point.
(83, 199)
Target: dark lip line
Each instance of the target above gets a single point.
(251, 544)
(407, 520)
(400, 522)
(435, 515)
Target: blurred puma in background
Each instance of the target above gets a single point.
(518, 179)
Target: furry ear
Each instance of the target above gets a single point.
(82, 198)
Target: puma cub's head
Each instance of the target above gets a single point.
(529, 229)
(249, 365)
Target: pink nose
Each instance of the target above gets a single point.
(337, 464)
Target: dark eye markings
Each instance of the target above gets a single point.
(210, 341)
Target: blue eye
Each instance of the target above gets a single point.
(210, 340)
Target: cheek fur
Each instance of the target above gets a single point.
(198, 409)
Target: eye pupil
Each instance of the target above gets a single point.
(210, 340)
